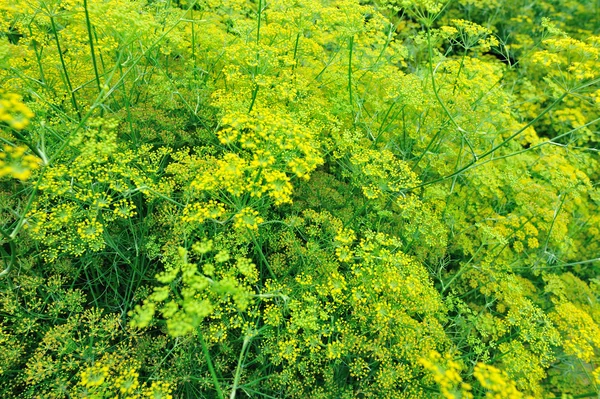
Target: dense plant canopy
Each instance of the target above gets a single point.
(299, 199)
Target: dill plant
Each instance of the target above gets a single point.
(285, 199)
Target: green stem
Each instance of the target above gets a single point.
(254, 94)
(64, 67)
(91, 41)
(255, 90)
(193, 45)
(439, 99)
(263, 257)
(209, 362)
(460, 272)
(381, 127)
(102, 96)
(350, 74)
(586, 395)
(38, 57)
(296, 51)
(259, 21)
(33, 148)
(556, 212)
(460, 68)
(475, 163)
(435, 136)
(238, 369)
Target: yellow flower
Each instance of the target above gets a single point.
(14, 162)
(247, 218)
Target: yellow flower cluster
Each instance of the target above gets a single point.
(380, 173)
(198, 213)
(94, 376)
(270, 146)
(229, 109)
(523, 366)
(569, 59)
(14, 162)
(390, 305)
(76, 203)
(418, 6)
(470, 35)
(90, 230)
(13, 111)
(495, 382)
(446, 373)
(247, 219)
(196, 285)
(289, 350)
(343, 240)
(108, 378)
(581, 333)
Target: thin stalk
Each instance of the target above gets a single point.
(586, 395)
(381, 127)
(91, 41)
(6, 235)
(456, 166)
(441, 102)
(350, 73)
(33, 148)
(460, 68)
(254, 95)
(556, 212)
(329, 62)
(38, 57)
(259, 21)
(64, 67)
(581, 262)
(258, 394)
(238, 369)
(209, 362)
(193, 44)
(388, 40)
(102, 96)
(258, 24)
(404, 147)
(464, 267)
(296, 51)
(263, 257)
(355, 215)
(435, 136)
(135, 138)
(475, 163)
(460, 272)
(549, 142)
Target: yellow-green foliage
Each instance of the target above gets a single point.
(114, 377)
(299, 199)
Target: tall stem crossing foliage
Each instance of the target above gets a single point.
(299, 199)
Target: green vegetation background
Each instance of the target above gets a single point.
(299, 199)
